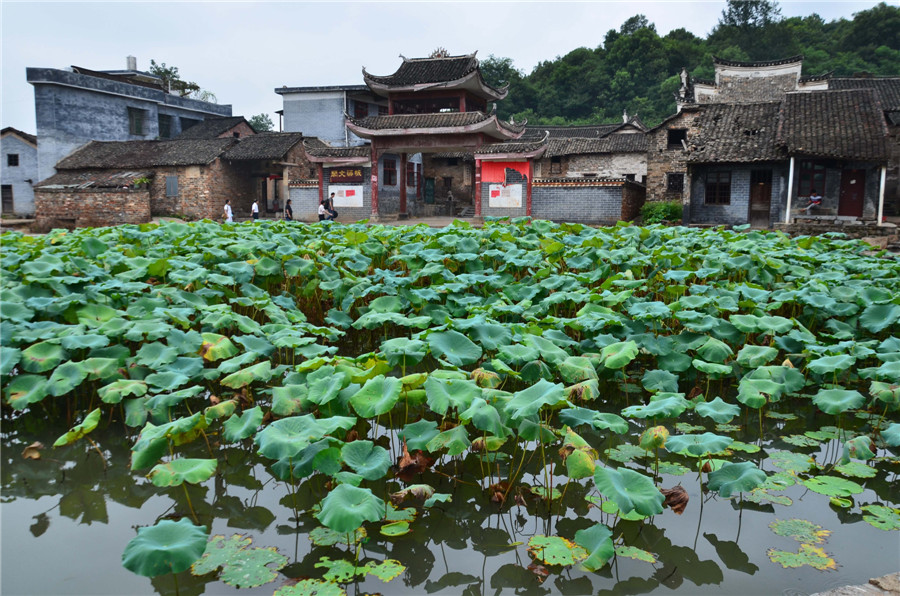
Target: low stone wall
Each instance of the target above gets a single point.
(90, 208)
(851, 230)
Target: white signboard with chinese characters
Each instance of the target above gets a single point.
(505, 196)
(346, 196)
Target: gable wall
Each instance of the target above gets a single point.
(19, 177)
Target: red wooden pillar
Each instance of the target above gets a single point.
(321, 169)
(374, 181)
(402, 174)
(528, 188)
(477, 188)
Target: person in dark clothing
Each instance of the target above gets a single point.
(288, 211)
(329, 206)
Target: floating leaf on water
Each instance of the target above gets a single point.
(801, 441)
(544, 493)
(796, 463)
(685, 427)
(183, 470)
(728, 428)
(745, 447)
(673, 469)
(311, 587)
(625, 453)
(807, 555)
(398, 528)
(167, 547)
(324, 536)
(780, 415)
(762, 496)
(800, 530)
(339, 571)
(855, 469)
(832, 486)
(736, 478)
(633, 552)
(242, 567)
(881, 517)
(597, 544)
(553, 550)
(385, 570)
(698, 445)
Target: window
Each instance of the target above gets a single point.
(7, 200)
(676, 136)
(136, 125)
(718, 188)
(171, 186)
(236, 135)
(674, 182)
(448, 182)
(165, 126)
(390, 172)
(812, 178)
(410, 174)
(12, 160)
(556, 165)
(360, 110)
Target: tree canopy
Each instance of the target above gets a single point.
(637, 70)
(261, 123)
(173, 82)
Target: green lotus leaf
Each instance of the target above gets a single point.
(828, 365)
(290, 399)
(698, 445)
(311, 587)
(42, 357)
(100, 368)
(715, 350)
(398, 528)
(378, 396)
(255, 344)
(714, 370)
(27, 389)
(736, 478)
(575, 369)
(322, 536)
(718, 410)
(753, 356)
(325, 385)
(529, 401)
(804, 532)
(65, 378)
(792, 462)
(891, 434)
(881, 517)
(485, 417)
(660, 406)
(347, 507)
(619, 354)
(878, 317)
(14, 311)
(454, 440)
(178, 471)
(95, 315)
(549, 351)
(166, 381)
(491, 336)
(660, 380)
(654, 438)
(597, 541)
(442, 394)
(84, 342)
(630, 490)
(366, 459)
(836, 401)
(554, 550)
(402, 351)
(258, 372)
(790, 379)
(458, 349)
(807, 555)
(632, 552)
(285, 438)
(888, 394)
(156, 355)
(755, 393)
(580, 464)
(167, 547)
(517, 354)
(858, 448)
(855, 469)
(9, 358)
(418, 434)
(242, 567)
(80, 430)
(216, 347)
(832, 486)
(241, 426)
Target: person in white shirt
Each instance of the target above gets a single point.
(254, 210)
(322, 211)
(229, 214)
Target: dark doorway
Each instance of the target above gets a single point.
(853, 192)
(7, 202)
(760, 198)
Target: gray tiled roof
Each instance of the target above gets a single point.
(428, 70)
(510, 147)
(724, 62)
(622, 143)
(841, 124)
(93, 179)
(736, 133)
(317, 148)
(887, 89)
(266, 145)
(30, 138)
(211, 128)
(144, 154)
(594, 131)
(441, 120)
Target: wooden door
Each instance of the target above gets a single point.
(853, 192)
(429, 191)
(760, 198)
(6, 206)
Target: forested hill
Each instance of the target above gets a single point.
(636, 69)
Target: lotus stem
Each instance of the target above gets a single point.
(97, 448)
(190, 506)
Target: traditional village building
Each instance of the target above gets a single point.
(219, 128)
(18, 171)
(79, 105)
(109, 183)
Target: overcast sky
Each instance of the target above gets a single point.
(242, 51)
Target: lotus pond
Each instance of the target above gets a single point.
(522, 408)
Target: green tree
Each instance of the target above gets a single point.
(173, 82)
(261, 123)
(747, 14)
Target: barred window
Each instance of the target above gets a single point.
(675, 182)
(390, 172)
(136, 121)
(718, 188)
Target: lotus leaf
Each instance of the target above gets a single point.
(167, 547)
(836, 401)
(485, 417)
(9, 358)
(398, 528)
(698, 445)
(346, 507)
(42, 357)
(285, 438)
(220, 410)
(366, 459)
(832, 486)
(290, 399)
(574, 369)
(65, 378)
(661, 406)
(619, 354)
(80, 430)
(517, 354)
(891, 434)
(455, 347)
(753, 356)
(736, 478)
(323, 536)
(179, 471)
(881, 517)
(576, 416)
(242, 378)
(660, 380)
(630, 490)
(28, 389)
(418, 434)
(858, 448)
(654, 438)
(242, 426)
(403, 351)
(597, 542)
(216, 347)
(554, 550)
(455, 441)
(792, 462)
(445, 393)
(807, 555)
(378, 396)
(242, 567)
(718, 410)
(878, 317)
(715, 350)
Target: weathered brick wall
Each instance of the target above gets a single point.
(242, 128)
(661, 160)
(90, 208)
(305, 200)
(892, 182)
(488, 211)
(633, 197)
(738, 212)
(851, 230)
(751, 89)
(583, 202)
(462, 182)
(603, 165)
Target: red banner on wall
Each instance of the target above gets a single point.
(495, 171)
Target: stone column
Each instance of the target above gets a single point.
(374, 182)
(320, 168)
(528, 187)
(477, 188)
(402, 173)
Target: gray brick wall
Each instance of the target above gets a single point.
(305, 202)
(18, 176)
(579, 204)
(734, 214)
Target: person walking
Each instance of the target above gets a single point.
(330, 207)
(254, 210)
(229, 214)
(288, 211)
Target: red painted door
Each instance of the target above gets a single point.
(853, 192)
